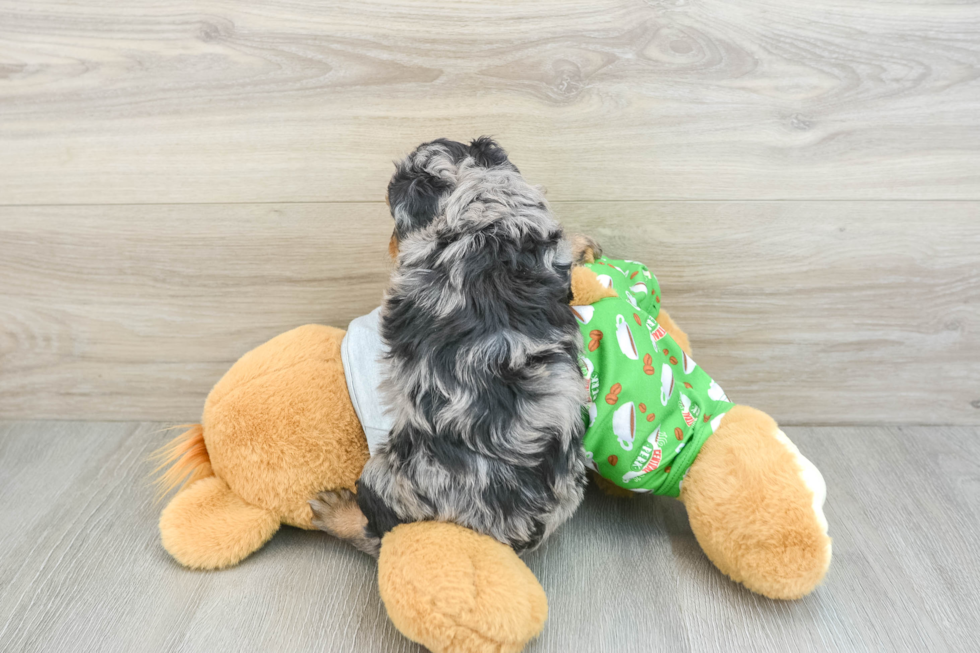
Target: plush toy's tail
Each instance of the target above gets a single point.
(186, 459)
(206, 525)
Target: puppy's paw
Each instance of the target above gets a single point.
(585, 249)
(336, 512)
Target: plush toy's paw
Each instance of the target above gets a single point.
(336, 512)
(756, 507)
(456, 591)
(207, 526)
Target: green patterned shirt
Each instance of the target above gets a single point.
(651, 407)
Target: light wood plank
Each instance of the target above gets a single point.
(611, 579)
(823, 312)
(903, 544)
(215, 101)
(81, 567)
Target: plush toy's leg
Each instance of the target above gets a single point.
(755, 506)
(207, 526)
(455, 591)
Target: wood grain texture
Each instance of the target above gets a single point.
(81, 567)
(211, 101)
(817, 312)
(900, 553)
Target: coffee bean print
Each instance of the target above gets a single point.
(612, 460)
(613, 395)
(648, 367)
(679, 433)
(595, 338)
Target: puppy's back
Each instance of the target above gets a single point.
(483, 377)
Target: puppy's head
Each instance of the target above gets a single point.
(429, 174)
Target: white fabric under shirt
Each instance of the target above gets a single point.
(362, 353)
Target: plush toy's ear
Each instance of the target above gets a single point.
(585, 249)
(207, 526)
(586, 288)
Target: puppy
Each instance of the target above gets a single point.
(483, 377)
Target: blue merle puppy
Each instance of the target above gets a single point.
(483, 378)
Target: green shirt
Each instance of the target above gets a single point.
(651, 407)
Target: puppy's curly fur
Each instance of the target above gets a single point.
(483, 377)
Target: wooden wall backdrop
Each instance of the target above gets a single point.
(180, 181)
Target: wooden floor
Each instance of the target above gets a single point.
(81, 567)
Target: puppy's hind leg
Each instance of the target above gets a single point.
(336, 512)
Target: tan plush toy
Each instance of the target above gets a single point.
(279, 427)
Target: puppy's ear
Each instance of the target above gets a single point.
(420, 181)
(488, 154)
(585, 249)
(414, 197)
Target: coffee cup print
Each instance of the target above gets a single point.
(624, 425)
(605, 280)
(646, 272)
(593, 413)
(619, 269)
(666, 383)
(644, 465)
(625, 338)
(632, 300)
(716, 393)
(686, 410)
(589, 368)
(583, 313)
(639, 288)
(657, 334)
(689, 363)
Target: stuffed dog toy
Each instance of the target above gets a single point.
(280, 427)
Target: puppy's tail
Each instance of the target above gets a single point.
(186, 459)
